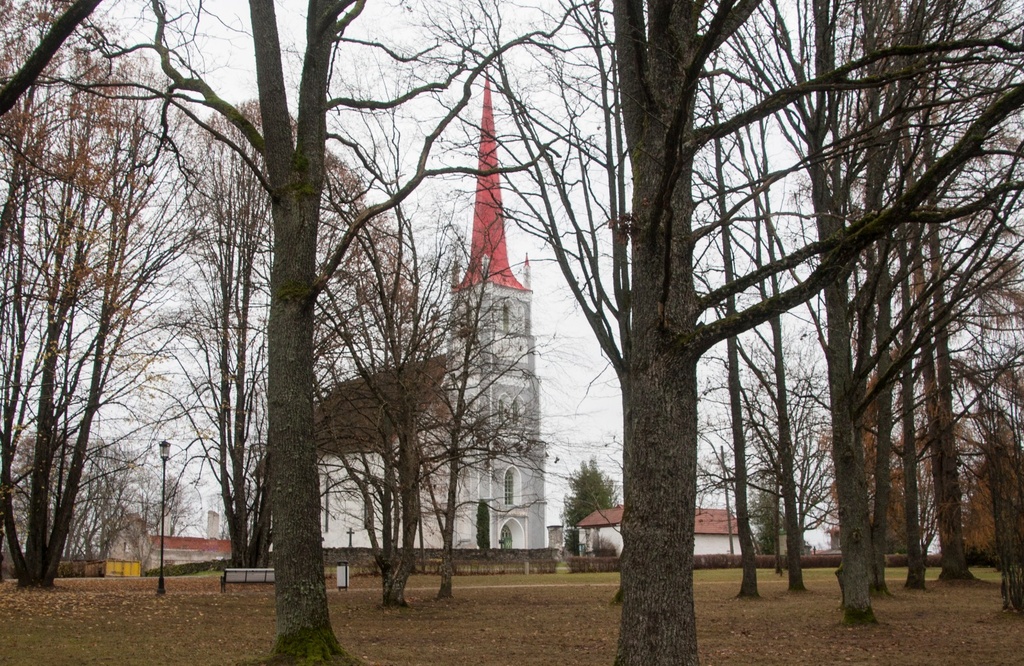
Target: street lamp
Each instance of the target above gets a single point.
(165, 453)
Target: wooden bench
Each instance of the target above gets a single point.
(246, 576)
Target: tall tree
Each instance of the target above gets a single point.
(223, 357)
(590, 489)
(661, 62)
(88, 240)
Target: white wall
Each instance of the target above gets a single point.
(715, 544)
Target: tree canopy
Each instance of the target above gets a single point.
(590, 489)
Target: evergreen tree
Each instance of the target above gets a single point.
(483, 526)
(590, 489)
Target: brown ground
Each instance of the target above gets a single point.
(553, 619)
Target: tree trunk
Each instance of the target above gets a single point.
(301, 598)
(915, 554)
(447, 571)
(884, 424)
(848, 460)
(748, 584)
(1006, 481)
(447, 568)
(295, 171)
(945, 460)
(787, 484)
(660, 456)
(911, 497)
(409, 494)
(657, 624)
(847, 448)
(938, 380)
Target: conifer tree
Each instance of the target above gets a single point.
(483, 526)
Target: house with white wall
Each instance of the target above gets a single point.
(715, 531)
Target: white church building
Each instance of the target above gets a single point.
(507, 475)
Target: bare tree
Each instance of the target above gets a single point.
(998, 419)
(392, 335)
(56, 33)
(661, 62)
(111, 496)
(86, 247)
(222, 354)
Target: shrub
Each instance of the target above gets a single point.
(593, 564)
(717, 561)
(80, 569)
(819, 561)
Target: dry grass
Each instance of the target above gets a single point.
(552, 619)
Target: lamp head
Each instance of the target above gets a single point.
(165, 450)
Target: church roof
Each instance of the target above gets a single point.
(354, 416)
(706, 521)
(488, 255)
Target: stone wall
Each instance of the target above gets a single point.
(362, 558)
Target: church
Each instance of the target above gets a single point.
(490, 360)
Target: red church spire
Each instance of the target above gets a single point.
(488, 256)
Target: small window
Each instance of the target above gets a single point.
(515, 410)
(506, 538)
(502, 410)
(506, 317)
(510, 486)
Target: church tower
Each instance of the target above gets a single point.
(498, 304)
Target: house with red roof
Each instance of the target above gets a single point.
(136, 543)
(183, 549)
(715, 531)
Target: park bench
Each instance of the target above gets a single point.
(246, 576)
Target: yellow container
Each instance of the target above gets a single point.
(122, 568)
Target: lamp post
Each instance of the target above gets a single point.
(165, 453)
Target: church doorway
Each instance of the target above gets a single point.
(511, 535)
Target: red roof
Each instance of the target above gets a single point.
(488, 256)
(193, 543)
(714, 521)
(706, 521)
(603, 518)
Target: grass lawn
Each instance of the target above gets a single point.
(543, 619)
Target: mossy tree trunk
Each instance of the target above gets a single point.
(295, 175)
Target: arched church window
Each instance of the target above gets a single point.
(515, 410)
(502, 410)
(506, 538)
(506, 317)
(510, 486)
